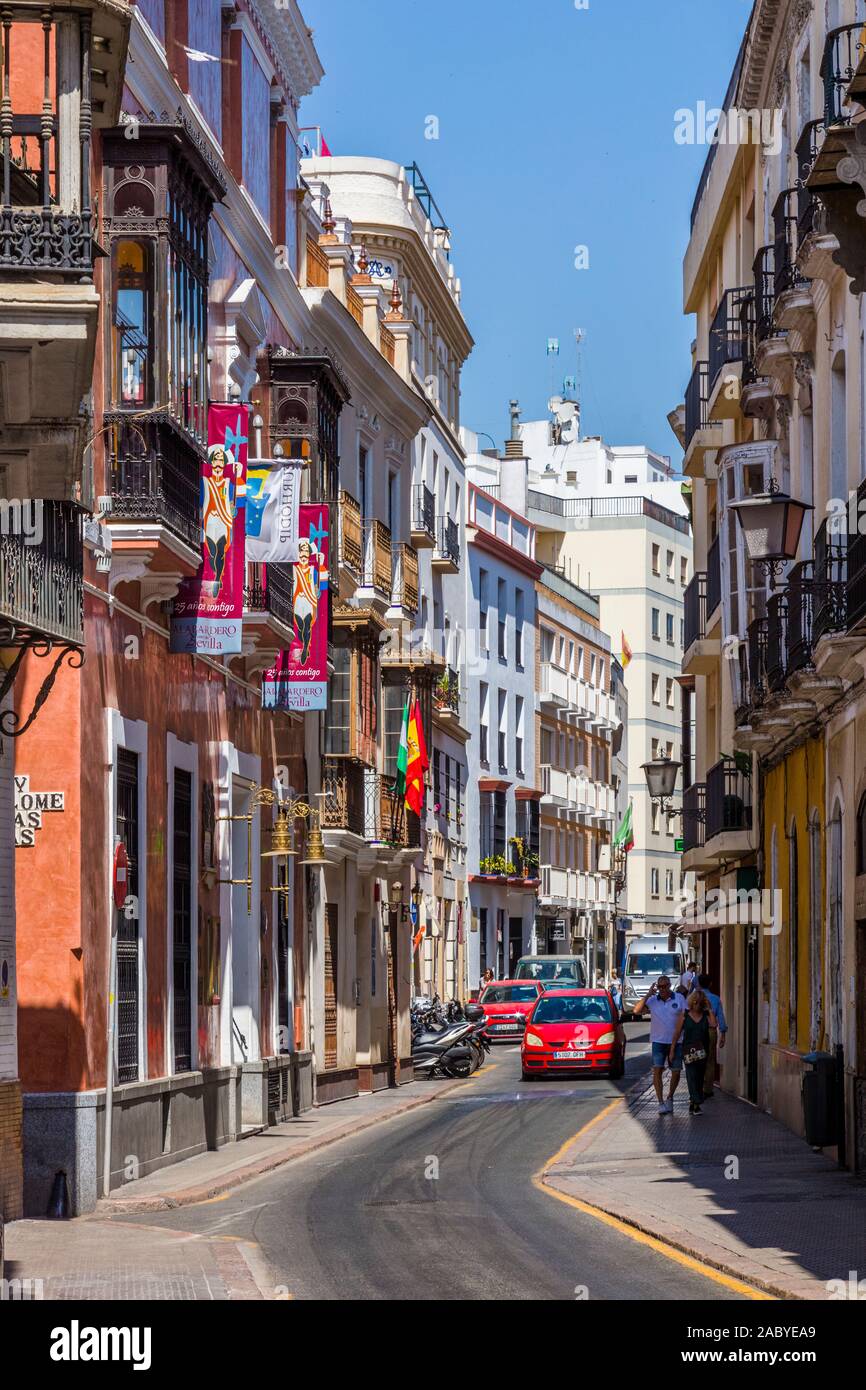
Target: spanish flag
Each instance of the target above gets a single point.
(626, 650)
(418, 761)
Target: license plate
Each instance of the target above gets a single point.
(504, 1027)
(567, 1056)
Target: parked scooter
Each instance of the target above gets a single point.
(446, 1048)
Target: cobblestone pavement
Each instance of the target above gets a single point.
(94, 1259)
(731, 1186)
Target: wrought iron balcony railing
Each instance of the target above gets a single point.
(423, 510)
(799, 616)
(729, 799)
(807, 150)
(448, 540)
(765, 292)
(155, 475)
(46, 218)
(756, 643)
(269, 590)
(856, 578)
(842, 53)
(777, 641)
(787, 274)
(343, 795)
(694, 804)
(42, 577)
(830, 582)
(386, 818)
(697, 396)
(727, 339)
(695, 610)
(714, 577)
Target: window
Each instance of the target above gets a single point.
(485, 812)
(546, 748)
(337, 722)
(502, 726)
(128, 971)
(501, 602)
(669, 692)
(518, 736)
(669, 628)
(630, 478)
(363, 495)
(518, 627)
(656, 559)
(609, 476)
(437, 779)
(499, 823)
(669, 883)
(447, 784)
(352, 718)
(654, 882)
(684, 570)
(482, 609)
(656, 681)
(682, 632)
(484, 706)
(132, 324)
(482, 939)
(670, 565)
(655, 817)
(654, 750)
(656, 619)
(182, 934)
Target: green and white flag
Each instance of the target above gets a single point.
(403, 752)
(624, 837)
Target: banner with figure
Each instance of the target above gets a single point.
(273, 510)
(299, 681)
(208, 612)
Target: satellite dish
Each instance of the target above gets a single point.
(554, 403)
(566, 410)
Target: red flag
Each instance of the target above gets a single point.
(326, 153)
(418, 762)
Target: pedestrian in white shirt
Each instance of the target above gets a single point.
(664, 1007)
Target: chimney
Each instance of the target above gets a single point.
(513, 467)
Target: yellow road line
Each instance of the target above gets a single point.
(652, 1242)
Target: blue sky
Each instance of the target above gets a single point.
(555, 131)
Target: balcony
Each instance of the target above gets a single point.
(49, 306)
(714, 580)
(343, 800)
(794, 306)
(728, 829)
(155, 520)
(446, 556)
(842, 53)
(267, 623)
(777, 641)
(350, 537)
(446, 697)
(559, 788)
(377, 565)
(831, 645)
(559, 887)
(701, 654)
(404, 584)
(42, 583)
(558, 691)
(856, 575)
(387, 824)
(423, 517)
(701, 434)
(727, 352)
(694, 806)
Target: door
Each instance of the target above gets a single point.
(245, 932)
(182, 922)
(515, 944)
(860, 1062)
(331, 964)
(284, 961)
(750, 1016)
(391, 948)
(128, 937)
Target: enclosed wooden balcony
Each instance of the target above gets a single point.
(404, 586)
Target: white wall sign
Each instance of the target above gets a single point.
(29, 809)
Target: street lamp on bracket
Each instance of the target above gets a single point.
(771, 523)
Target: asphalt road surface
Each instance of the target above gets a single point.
(439, 1204)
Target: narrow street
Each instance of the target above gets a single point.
(360, 1220)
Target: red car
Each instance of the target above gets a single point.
(573, 1030)
(507, 1004)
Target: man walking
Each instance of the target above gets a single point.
(664, 1008)
(717, 1036)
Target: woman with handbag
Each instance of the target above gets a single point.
(695, 1025)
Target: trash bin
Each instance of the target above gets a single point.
(819, 1100)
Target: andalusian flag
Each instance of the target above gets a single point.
(624, 837)
(418, 762)
(403, 753)
(626, 650)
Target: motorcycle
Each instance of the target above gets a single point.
(443, 1046)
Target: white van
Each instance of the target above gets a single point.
(648, 957)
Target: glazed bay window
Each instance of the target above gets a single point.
(352, 719)
(157, 197)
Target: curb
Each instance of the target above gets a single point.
(705, 1255)
(190, 1196)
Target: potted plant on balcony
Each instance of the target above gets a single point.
(530, 865)
(496, 866)
(443, 692)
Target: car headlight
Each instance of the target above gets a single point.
(533, 1040)
(631, 992)
(605, 1040)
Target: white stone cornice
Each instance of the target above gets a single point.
(291, 40)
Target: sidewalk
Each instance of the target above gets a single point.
(96, 1258)
(731, 1187)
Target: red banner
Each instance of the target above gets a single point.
(299, 681)
(208, 611)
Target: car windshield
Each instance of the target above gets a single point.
(549, 970)
(509, 994)
(584, 1008)
(654, 963)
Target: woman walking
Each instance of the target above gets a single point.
(695, 1025)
